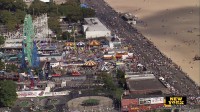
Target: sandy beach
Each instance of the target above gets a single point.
(172, 25)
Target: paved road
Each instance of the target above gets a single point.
(148, 54)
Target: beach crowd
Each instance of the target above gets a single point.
(148, 54)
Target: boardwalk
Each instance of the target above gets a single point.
(149, 55)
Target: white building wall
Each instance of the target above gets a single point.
(45, 0)
(95, 34)
(63, 84)
(111, 45)
(43, 58)
(28, 0)
(54, 64)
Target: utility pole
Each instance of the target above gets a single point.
(57, 9)
(74, 37)
(33, 12)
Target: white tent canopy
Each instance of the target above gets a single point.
(139, 65)
(80, 44)
(104, 68)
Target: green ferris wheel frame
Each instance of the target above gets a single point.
(28, 34)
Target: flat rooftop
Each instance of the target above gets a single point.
(140, 76)
(137, 73)
(93, 21)
(157, 93)
(133, 96)
(145, 84)
(93, 24)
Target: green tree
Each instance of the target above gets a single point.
(8, 93)
(12, 5)
(121, 79)
(108, 82)
(53, 9)
(11, 68)
(111, 87)
(12, 12)
(120, 74)
(65, 35)
(54, 25)
(9, 19)
(72, 13)
(71, 10)
(20, 15)
(2, 65)
(2, 40)
(5, 16)
(19, 5)
(90, 102)
(117, 94)
(37, 7)
(87, 12)
(6, 4)
(11, 25)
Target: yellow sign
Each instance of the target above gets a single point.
(167, 106)
(175, 100)
(135, 108)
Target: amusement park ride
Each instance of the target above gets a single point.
(30, 58)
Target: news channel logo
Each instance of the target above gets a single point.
(176, 100)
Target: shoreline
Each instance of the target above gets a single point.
(174, 44)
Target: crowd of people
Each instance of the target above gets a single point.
(147, 52)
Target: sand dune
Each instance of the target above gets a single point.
(172, 25)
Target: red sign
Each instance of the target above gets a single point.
(75, 73)
(127, 102)
(27, 94)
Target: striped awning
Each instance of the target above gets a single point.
(90, 63)
(69, 44)
(94, 43)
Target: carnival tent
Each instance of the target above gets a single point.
(90, 63)
(104, 68)
(80, 44)
(56, 75)
(139, 65)
(75, 73)
(118, 56)
(84, 6)
(94, 43)
(69, 44)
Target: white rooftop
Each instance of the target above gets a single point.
(93, 24)
(45, 0)
(141, 76)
